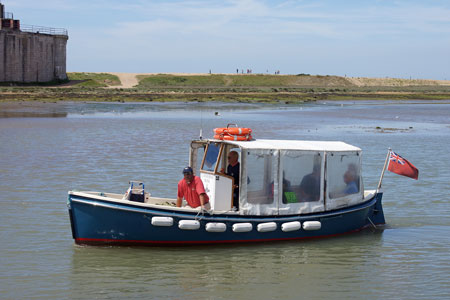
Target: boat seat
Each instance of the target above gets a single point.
(160, 201)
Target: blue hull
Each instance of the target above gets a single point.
(100, 222)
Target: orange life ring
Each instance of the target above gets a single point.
(239, 131)
(228, 137)
(233, 131)
(220, 130)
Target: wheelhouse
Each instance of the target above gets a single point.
(280, 177)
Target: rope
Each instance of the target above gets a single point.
(374, 226)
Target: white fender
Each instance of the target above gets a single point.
(189, 224)
(216, 227)
(291, 226)
(312, 225)
(242, 227)
(266, 227)
(162, 221)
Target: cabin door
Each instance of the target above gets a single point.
(218, 186)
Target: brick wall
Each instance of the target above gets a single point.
(32, 57)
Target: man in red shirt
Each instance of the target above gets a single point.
(191, 188)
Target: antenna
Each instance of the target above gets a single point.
(201, 124)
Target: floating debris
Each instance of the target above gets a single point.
(392, 130)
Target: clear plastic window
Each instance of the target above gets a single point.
(260, 182)
(197, 152)
(301, 177)
(212, 155)
(200, 154)
(344, 174)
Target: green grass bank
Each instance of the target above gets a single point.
(224, 87)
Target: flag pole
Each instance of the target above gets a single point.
(384, 169)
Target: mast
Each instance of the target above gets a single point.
(384, 169)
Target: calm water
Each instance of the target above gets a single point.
(103, 146)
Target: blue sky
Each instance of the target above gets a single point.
(354, 38)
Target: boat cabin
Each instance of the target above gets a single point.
(280, 177)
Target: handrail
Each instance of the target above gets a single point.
(44, 30)
(7, 15)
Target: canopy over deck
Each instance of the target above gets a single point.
(280, 177)
(293, 145)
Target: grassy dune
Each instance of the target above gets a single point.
(227, 87)
(94, 79)
(223, 80)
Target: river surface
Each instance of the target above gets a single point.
(48, 149)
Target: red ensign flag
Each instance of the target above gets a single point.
(401, 166)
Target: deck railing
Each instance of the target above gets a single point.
(44, 30)
(7, 15)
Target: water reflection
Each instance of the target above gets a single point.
(228, 272)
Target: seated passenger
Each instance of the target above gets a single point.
(350, 180)
(310, 186)
(288, 195)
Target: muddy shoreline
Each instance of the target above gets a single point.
(56, 109)
(290, 97)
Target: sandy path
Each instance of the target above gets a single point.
(128, 80)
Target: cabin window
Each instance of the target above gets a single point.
(343, 174)
(260, 179)
(302, 177)
(301, 187)
(211, 157)
(197, 152)
(198, 159)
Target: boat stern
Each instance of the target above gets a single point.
(377, 213)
